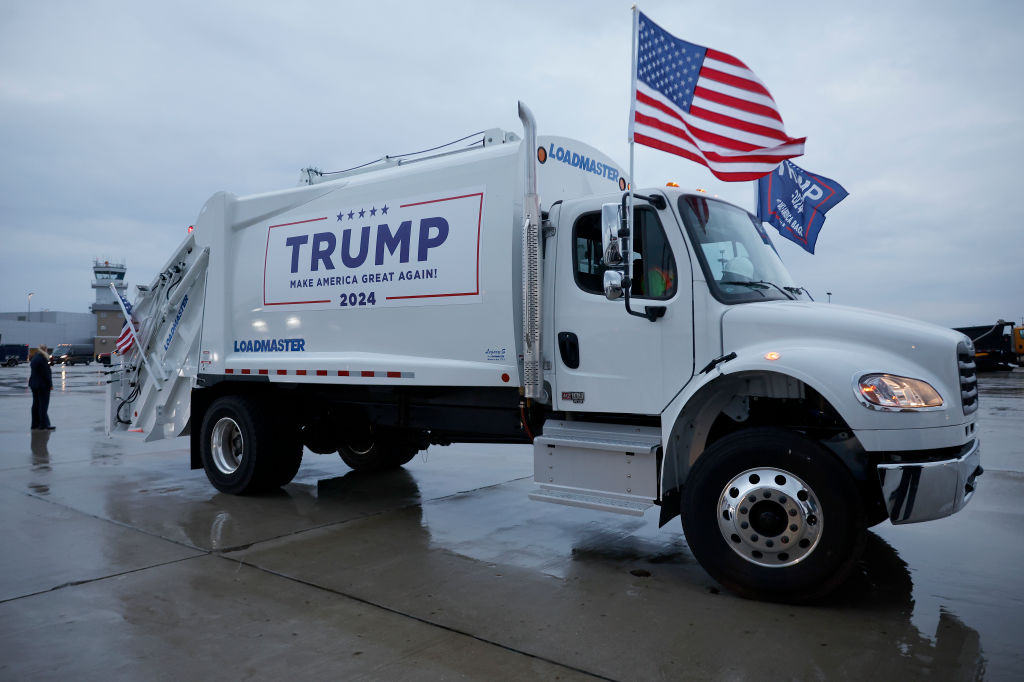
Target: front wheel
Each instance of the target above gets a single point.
(772, 515)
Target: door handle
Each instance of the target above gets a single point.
(569, 349)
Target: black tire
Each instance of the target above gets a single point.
(771, 515)
(377, 451)
(244, 450)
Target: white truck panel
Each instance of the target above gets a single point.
(433, 252)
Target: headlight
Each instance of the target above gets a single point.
(889, 390)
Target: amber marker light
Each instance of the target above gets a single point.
(772, 355)
(671, 184)
(542, 154)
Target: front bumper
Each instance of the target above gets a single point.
(930, 490)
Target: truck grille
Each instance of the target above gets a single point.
(968, 377)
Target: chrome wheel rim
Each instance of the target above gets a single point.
(770, 517)
(226, 445)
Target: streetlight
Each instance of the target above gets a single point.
(829, 294)
(30, 294)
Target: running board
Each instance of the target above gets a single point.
(591, 500)
(608, 467)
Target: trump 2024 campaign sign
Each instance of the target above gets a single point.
(794, 202)
(408, 251)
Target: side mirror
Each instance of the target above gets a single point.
(612, 285)
(611, 221)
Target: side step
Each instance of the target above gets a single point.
(590, 500)
(609, 467)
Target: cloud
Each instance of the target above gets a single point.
(118, 120)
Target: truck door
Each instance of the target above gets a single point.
(605, 359)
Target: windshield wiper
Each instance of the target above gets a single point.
(756, 286)
(781, 290)
(798, 290)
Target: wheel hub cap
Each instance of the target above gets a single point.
(226, 445)
(770, 517)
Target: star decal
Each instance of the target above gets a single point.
(384, 211)
(351, 214)
(362, 212)
(341, 215)
(373, 211)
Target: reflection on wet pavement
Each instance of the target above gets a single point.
(451, 544)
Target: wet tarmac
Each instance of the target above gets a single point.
(118, 562)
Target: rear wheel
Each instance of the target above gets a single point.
(377, 450)
(772, 515)
(244, 450)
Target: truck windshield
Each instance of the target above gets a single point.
(739, 261)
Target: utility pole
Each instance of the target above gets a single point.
(30, 294)
(829, 294)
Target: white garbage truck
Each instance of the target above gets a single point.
(651, 347)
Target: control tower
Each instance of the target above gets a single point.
(108, 313)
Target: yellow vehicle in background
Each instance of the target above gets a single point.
(1018, 344)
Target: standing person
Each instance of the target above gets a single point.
(41, 382)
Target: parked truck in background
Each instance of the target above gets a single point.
(500, 295)
(993, 345)
(13, 353)
(1018, 344)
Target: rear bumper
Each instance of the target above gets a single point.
(930, 490)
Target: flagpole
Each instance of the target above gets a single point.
(632, 121)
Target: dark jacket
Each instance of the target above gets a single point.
(40, 376)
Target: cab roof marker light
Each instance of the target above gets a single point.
(772, 355)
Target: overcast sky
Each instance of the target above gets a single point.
(119, 119)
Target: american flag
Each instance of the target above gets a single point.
(706, 106)
(125, 340)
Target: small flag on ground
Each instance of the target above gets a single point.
(706, 106)
(125, 339)
(794, 202)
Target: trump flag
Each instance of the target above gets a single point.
(794, 202)
(706, 106)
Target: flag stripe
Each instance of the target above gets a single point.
(739, 93)
(768, 123)
(736, 103)
(709, 141)
(703, 126)
(737, 124)
(723, 57)
(721, 160)
(769, 159)
(707, 73)
(727, 176)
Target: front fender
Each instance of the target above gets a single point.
(832, 371)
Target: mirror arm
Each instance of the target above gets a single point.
(651, 313)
